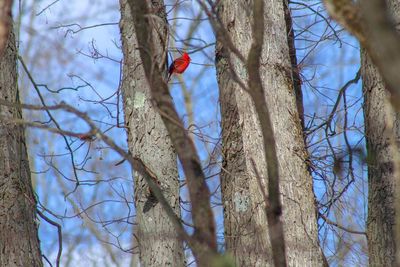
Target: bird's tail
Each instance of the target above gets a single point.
(169, 76)
(150, 203)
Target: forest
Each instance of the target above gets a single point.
(213, 133)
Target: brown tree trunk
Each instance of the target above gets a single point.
(246, 231)
(381, 156)
(381, 209)
(148, 139)
(203, 242)
(5, 23)
(19, 243)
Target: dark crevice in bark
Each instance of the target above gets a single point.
(293, 60)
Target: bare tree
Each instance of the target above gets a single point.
(19, 243)
(245, 231)
(149, 140)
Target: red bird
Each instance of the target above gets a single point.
(179, 65)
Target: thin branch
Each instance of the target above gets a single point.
(35, 85)
(369, 22)
(222, 31)
(336, 105)
(136, 163)
(351, 231)
(82, 28)
(60, 246)
(47, 7)
(335, 33)
(47, 260)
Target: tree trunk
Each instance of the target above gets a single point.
(246, 233)
(148, 139)
(381, 211)
(293, 60)
(19, 243)
(381, 175)
(381, 171)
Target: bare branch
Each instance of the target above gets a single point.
(351, 231)
(371, 24)
(336, 105)
(347, 13)
(47, 219)
(35, 85)
(47, 7)
(136, 163)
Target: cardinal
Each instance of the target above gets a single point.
(179, 65)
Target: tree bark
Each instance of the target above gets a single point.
(381, 180)
(19, 243)
(5, 23)
(293, 60)
(246, 233)
(203, 242)
(148, 139)
(381, 169)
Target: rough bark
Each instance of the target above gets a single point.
(148, 139)
(381, 171)
(19, 243)
(246, 233)
(293, 61)
(203, 242)
(5, 23)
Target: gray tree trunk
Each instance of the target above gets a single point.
(381, 209)
(19, 243)
(148, 139)
(381, 176)
(246, 232)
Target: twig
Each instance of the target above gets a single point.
(370, 24)
(336, 105)
(136, 163)
(35, 85)
(321, 16)
(327, 220)
(47, 260)
(48, 6)
(60, 246)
